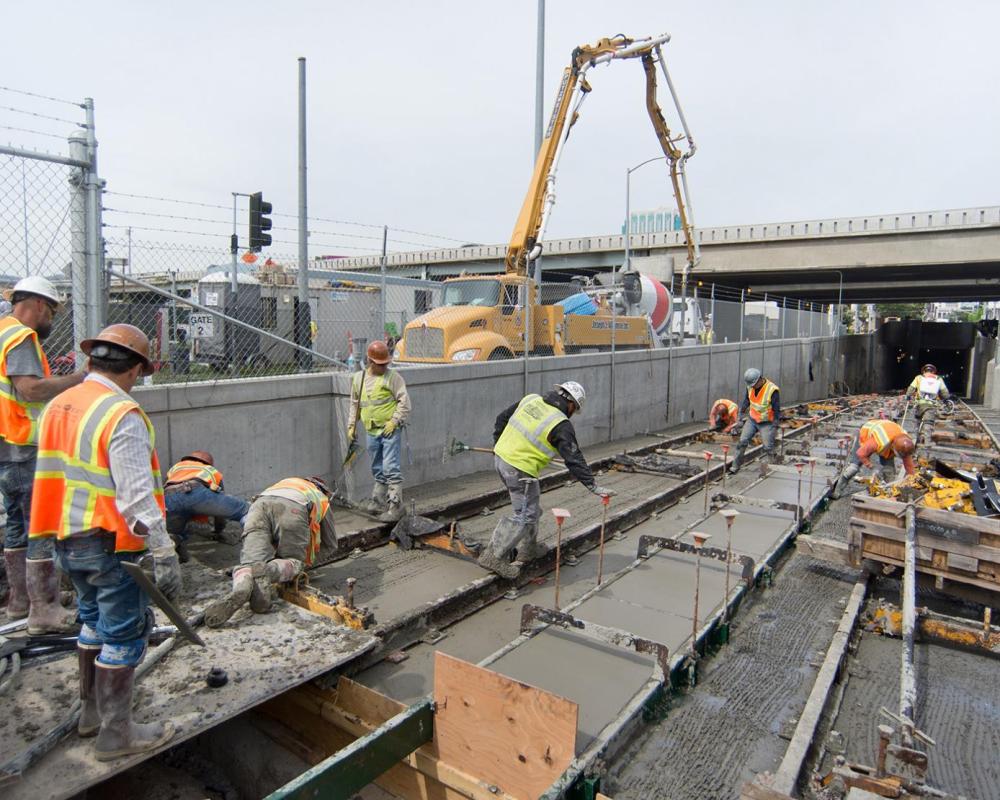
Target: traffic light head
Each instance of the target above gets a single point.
(260, 223)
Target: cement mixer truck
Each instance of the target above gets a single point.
(491, 317)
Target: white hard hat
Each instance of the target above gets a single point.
(36, 284)
(575, 392)
(751, 376)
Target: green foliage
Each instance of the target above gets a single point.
(902, 310)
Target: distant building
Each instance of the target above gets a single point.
(657, 220)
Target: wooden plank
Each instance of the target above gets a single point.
(824, 549)
(515, 736)
(956, 577)
(754, 791)
(929, 541)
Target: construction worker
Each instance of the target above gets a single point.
(723, 416)
(288, 525)
(927, 389)
(384, 409)
(194, 489)
(762, 406)
(526, 437)
(98, 495)
(885, 438)
(26, 384)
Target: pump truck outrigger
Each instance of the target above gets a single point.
(490, 317)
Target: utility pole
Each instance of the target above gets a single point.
(303, 328)
(539, 80)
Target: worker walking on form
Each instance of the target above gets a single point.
(98, 495)
(723, 416)
(527, 436)
(762, 405)
(288, 525)
(380, 395)
(26, 384)
(928, 390)
(882, 437)
(194, 489)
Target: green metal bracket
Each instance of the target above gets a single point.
(347, 771)
(585, 788)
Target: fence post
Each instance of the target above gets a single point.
(78, 242)
(95, 242)
(763, 340)
(739, 369)
(783, 313)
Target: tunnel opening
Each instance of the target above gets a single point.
(955, 348)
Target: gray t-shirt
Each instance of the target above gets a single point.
(21, 360)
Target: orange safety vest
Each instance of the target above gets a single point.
(883, 432)
(731, 408)
(18, 419)
(74, 492)
(760, 402)
(318, 503)
(191, 470)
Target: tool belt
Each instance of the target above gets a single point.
(183, 487)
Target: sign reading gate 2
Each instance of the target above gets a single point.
(202, 325)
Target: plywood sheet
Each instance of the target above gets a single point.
(505, 732)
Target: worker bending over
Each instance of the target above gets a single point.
(886, 439)
(26, 384)
(723, 416)
(762, 405)
(97, 492)
(927, 389)
(286, 528)
(526, 437)
(194, 489)
(384, 409)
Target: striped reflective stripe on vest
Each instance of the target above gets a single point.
(18, 419)
(536, 435)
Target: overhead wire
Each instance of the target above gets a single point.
(12, 90)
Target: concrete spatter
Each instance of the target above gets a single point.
(724, 731)
(958, 705)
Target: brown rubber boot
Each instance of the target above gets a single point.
(90, 718)
(119, 735)
(219, 611)
(45, 613)
(17, 600)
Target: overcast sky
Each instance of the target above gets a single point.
(421, 114)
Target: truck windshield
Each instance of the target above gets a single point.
(472, 293)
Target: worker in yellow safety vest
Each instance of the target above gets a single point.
(98, 495)
(527, 435)
(723, 416)
(26, 384)
(194, 492)
(287, 527)
(380, 401)
(762, 406)
(880, 437)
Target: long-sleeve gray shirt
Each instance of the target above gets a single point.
(395, 384)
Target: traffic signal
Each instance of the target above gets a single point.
(259, 223)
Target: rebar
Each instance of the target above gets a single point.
(605, 502)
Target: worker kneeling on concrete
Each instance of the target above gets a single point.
(927, 389)
(724, 416)
(762, 405)
(527, 435)
(194, 489)
(287, 526)
(97, 491)
(885, 438)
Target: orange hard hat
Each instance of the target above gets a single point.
(121, 337)
(903, 445)
(203, 456)
(378, 352)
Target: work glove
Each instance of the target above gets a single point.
(351, 430)
(390, 428)
(167, 572)
(603, 492)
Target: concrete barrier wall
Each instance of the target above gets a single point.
(265, 429)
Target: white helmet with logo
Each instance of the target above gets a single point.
(37, 285)
(574, 391)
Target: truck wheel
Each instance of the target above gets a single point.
(500, 354)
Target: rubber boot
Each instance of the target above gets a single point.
(119, 735)
(45, 614)
(375, 504)
(394, 505)
(501, 566)
(529, 549)
(737, 460)
(278, 570)
(180, 545)
(219, 611)
(17, 600)
(844, 481)
(90, 718)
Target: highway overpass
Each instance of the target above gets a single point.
(920, 256)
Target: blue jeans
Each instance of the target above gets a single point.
(386, 452)
(16, 481)
(181, 506)
(111, 605)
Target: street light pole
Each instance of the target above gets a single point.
(628, 207)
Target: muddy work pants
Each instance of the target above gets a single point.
(275, 528)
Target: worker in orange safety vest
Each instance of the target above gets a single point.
(880, 437)
(762, 406)
(724, 416)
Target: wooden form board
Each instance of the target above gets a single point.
(960, 547)
(512, 735)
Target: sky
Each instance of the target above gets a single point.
(421, 115)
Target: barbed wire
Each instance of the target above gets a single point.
(226, 236)
(43, 116)
(42, 96)
(28, 130)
